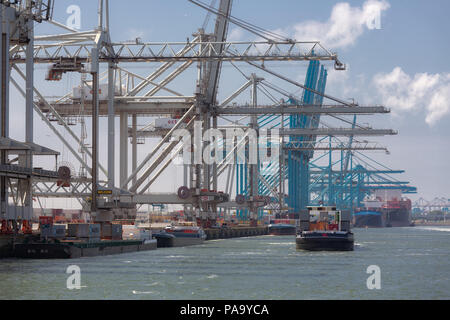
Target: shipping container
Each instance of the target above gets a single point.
(84, 230)
(116, 232)
(45, 226)
(106, 230)
(46, 230)
(94, 230)
(59, 231)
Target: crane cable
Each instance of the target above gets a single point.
(208, 15)
(263, 33)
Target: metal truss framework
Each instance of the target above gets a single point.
(72, 47)
(83, 52)
(426, 206)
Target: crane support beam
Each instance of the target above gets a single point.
(173, 51)
(354, 171)
(330, 109)
(132, 107)
(166, 198)
(335, 148)
(337, 132)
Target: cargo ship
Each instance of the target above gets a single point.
(386, 210)
(180, 235)
(324, 229)
(368, 218)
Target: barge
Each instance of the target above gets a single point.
(282, 229)
(235, 232)
(67, 249)
(180, 236)
(79, 240)
(324, 229)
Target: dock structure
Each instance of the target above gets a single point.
(108, 88)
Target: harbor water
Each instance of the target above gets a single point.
(414, 263)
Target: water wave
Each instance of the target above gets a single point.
(281, 243)
(144, 292)
(153, 284)
(246, 253)
(441, 229)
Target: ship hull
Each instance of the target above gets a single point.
(182, 242)
(282, 230)
(5, 247)
(165, 240)
(318, 241)
(398, 217)
(6, 244)
(71, 251)
(46, 251)
(369, 221)
(386, 218)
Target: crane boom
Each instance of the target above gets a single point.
(220, 34)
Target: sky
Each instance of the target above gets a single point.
(399, 60)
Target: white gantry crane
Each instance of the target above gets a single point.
(110, 89)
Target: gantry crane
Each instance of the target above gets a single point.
(17, 20)
(131, 94)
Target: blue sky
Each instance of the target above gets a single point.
(405, 63)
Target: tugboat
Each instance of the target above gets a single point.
(324, 229)
(180, 235)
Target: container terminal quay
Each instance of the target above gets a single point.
(297, 161)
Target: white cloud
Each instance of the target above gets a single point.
(236, 34)
(337, 82)
(348, 85)
(338, 76)
(345, 24)
(424, 92)
(439, 105)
